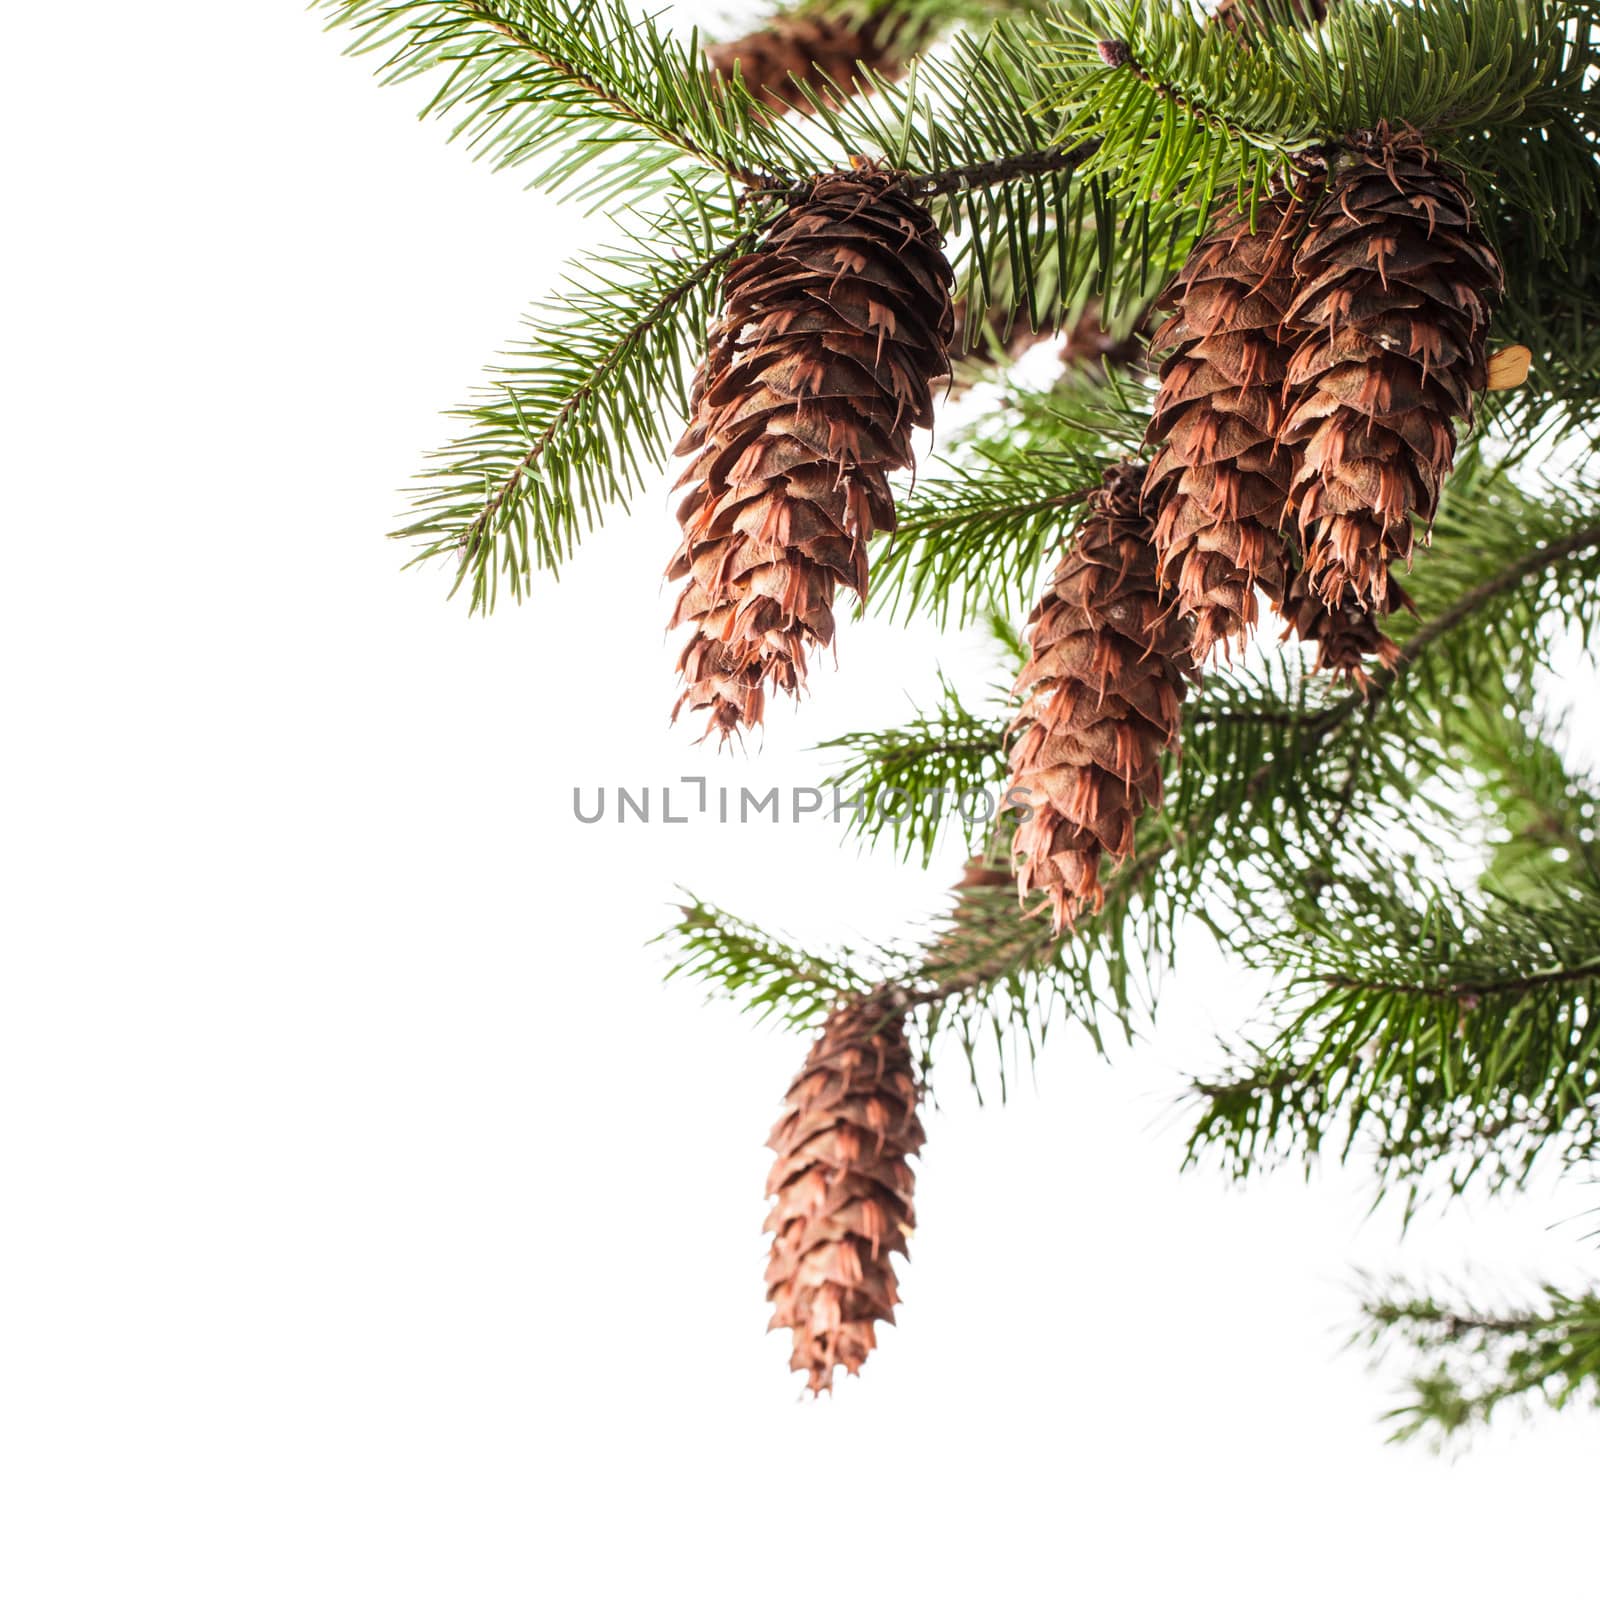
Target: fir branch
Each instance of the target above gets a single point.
(578, 405)
(1184, 111)
(973, 538)
(1473, 1363)
(1471, 990)
(933, 767)
(1116, 53)
(1000, 170)
(604, 95)
(1542, 821)
(961, 550)
(1455, 69)
(769, 976)
(1464, 1041)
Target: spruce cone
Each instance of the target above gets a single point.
(1347, 637)
(832, 333)
(1394, 290)
(824, 52)
(841, 1189)
(1219, 482)
(1101, 697)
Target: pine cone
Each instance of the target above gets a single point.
(1219, 482)
(1346, 637)
(1394, 291)
(832, 333)
(824, 52)
(1101, 697)
(841, 1189)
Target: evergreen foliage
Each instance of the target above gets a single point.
(1414, 861)
(1475, 1363)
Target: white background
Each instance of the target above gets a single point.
(374, 1220)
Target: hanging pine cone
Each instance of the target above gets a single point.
(832, 333)
(1348, 637)
(1395, 288)
(841, 1189)
(1219, 482)
(824, 52)
(1100, 702)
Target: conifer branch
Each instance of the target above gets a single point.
(1471, 1363)
(583, 393)
(609, 99)
(625, 110)
(916, 781)
(1032, 944)
(580, 402)
(1002, 169)
(1116, 54)
(1468, 990)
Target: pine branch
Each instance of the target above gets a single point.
(1542, 819)
(1471, 1363)
(768, 976)
(1000, 170)
(972, 539)
(604, 97)
(943, 769)
(1463, 1041)
(1183, 111)
(579, 405)
(1456, 69)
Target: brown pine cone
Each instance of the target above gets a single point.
(1347, 638)
(1101, 700)
(825, 53)
(832, 333)
(1219, 481)
(1395, 285)
(841, 1189)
